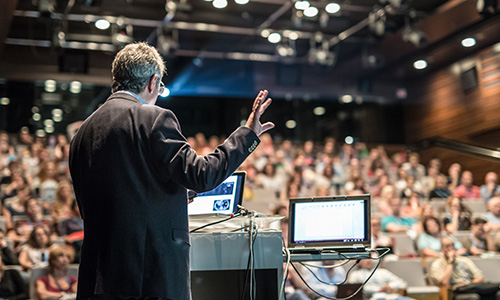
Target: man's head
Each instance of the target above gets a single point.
(467, 179)
(491, 177)
(479, 227)
(447, 246)
(494, 206)
(395, 204)
(134, 66)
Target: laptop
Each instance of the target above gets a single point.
(333, 223)
(223, 200)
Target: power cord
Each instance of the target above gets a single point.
(241, 212)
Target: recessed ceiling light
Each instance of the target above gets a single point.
(102, 24)
(468, 42)
(274, 38)
(219, 3)
(332, 8)
(302, 5)
(420, 64)
(311, 11)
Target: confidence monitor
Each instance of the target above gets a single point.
(339, 223)
(223, 200)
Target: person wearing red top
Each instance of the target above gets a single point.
(467, 190)
(57, 283)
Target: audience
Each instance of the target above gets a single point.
(429, 242)
(493, 214)
(12, 285)
(325, 273)
(395, 222)
(456, 216)
(57, 284)
(467, 190)
(490, 188)
(35, 253)
(479, 241)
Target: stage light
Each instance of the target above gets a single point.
(302, 5)
(468, 42)
(319, 110)
(416, 37)
(346, 98)
(291, 124)
(332, 8)
(241, 2)
(219, 3)
(311, 12)
(35, 109)
(48, 122)
(293, 36)
(75, 87)
(265, 33)
(40, 133)
(102, 24)
(57, 118)
(4, 101)
(274, 38)
(166, 93)
(420, 64)
(50, 86)
(349, 140)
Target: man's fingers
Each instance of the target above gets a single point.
(265, 105)
(267, 126)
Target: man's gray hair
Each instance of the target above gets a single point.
(134, 66)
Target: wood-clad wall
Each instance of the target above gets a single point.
(439, 107)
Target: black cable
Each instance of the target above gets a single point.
(217, 222)
(248, 269)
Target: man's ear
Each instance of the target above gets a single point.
(152, 83)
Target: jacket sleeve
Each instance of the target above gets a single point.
(179, 161)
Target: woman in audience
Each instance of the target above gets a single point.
(57, 284)
(412, 207)
(35, 252)
(429, 242)
(64, 199)
(16, 207)
(457, 216)
(441, 189)
(46, 184)
(269, 180)
(12, 285)
(23, 228)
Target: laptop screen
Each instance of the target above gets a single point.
(223, 200)
(329, 222)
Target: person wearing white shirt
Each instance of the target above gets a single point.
(328, 278)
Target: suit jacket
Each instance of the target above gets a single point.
(131, 167)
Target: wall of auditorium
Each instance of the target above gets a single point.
(450, 104)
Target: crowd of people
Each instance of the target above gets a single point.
(39, 207)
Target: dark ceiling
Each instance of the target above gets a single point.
(215, 52)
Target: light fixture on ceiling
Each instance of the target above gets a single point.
(302, 5)
(311, 12)
(219, 3)
(487, 7)
(414, 36)
(332, 8)
(274, 38)
(319, 51)
(102, 24)
(420, 64)
(468, 42)
(376, 22)
(241, 2)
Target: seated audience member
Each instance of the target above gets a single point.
(382, 285)
(64, 199)
(429, 181)
(493, 214)
(379, 239)
(412, 207)
(440, 190)
(35, 253)
(16, 207)
(454, 178)
(457, 216)
(57, 284)
(413, 167)
(458, 272)
(429, 242)
(12, 285)
(395, 222)
(23, 228)
(331, 275)
(467, 190)
(480, 240)
(11, 190)
(270, 180)
(8, 257)
(490, 188)
(72, 228)
(412, 186)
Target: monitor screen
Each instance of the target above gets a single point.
(223, 200)
(335, 221)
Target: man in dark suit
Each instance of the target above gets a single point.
(131, 167)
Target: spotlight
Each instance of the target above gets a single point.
(420, 64)
(332, 8)
(274, 38)
(102, 24)
(376, 22)
(416, 37)
(468, 42)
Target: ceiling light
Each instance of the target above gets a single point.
(332, 8)
(496, 47)
(241, 2)
(219, 3)
(36, 117)
(102, 24)
(48, 122)
(346, 99)
(349, 140)
(49, 129)
(274, 38)
(40, 133)
(302, 5)
(57, 118)
(35, 109)
(57, 112)
(265, 33)
(50, 86)
(311, 11)
(319, 110)
(4, 101)
(468, 42)
(75, 87)
(291, 124)
(416, 37)
(293, 35)
(420, 64)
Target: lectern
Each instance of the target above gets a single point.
(220, 263)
